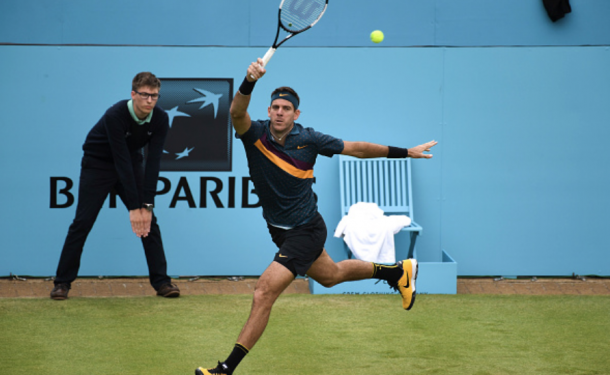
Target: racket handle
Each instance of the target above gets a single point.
(266, 58)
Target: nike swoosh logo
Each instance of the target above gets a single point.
(283, 256)
(408, 280)
(283, 94)
(300, 147)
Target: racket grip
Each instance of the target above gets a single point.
(266, 58)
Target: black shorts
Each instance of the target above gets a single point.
(299, 246)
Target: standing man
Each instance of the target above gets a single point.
(281, 155)
(114, 158)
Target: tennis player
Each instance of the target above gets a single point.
(281, 154)
(114, 159)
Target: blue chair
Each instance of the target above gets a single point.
(386, 182)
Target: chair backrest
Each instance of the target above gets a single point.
(386, 182)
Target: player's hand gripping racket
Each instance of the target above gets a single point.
(295, 16)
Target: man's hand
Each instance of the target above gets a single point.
(140, 221)
(417, 152)
(256, 71)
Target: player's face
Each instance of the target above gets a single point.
(143, 102)
(282, 115)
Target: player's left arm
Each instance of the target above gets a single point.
(366, 150)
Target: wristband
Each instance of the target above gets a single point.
(397, 153)
(246, 87)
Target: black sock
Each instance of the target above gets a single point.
(390, 273)
(238, 353)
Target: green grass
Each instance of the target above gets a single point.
(462, 334)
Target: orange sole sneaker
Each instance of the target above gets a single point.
(406, 284)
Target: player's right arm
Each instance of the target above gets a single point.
(239, 107)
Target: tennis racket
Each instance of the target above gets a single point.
(294, 17)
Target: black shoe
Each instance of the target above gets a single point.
(168, 290)
(221, 369)
(60, 292)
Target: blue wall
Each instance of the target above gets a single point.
(518, 184)
(347, 23)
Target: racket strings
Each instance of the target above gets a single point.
(297, 15)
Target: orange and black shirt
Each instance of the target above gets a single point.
(283, 175)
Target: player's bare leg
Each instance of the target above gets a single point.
(271, 284)
(328, 273)
(401, 276)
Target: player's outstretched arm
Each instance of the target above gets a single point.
(239, 107)
(372, 150)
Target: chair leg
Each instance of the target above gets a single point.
(412, 244)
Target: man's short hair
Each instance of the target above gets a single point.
(145, 79)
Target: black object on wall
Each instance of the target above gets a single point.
(557, 9)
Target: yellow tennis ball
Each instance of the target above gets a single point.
(377, 36)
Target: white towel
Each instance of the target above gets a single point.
(369, 234)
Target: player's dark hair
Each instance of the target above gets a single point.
(145, 79)
(286, 89)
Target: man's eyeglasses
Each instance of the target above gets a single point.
(146, 95)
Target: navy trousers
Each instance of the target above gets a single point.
(97, 179)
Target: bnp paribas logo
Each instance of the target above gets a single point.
(200, 129)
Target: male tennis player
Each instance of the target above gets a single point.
(114, 158)
(281, 155)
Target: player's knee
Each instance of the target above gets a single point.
(328, 282)
(329, 275)
(329, 278)
(262, 295)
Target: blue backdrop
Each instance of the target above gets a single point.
(518, 184)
